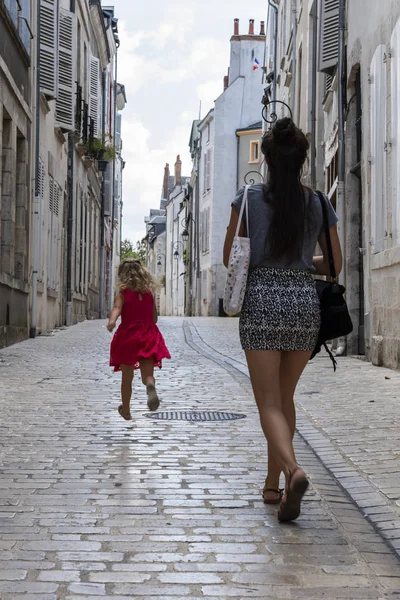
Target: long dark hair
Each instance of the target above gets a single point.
(285, 149)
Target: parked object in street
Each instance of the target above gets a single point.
(138, 343)
(280, 318)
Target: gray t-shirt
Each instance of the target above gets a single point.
(260, 215)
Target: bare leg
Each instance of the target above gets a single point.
(264, 367)
(292, 366)
(126, 388)
(147, 370)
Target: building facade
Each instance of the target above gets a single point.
(65, 83)
(337, 68)
(17, 93)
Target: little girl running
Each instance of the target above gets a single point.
(137, 343)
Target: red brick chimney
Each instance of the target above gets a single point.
(236, 27)
(178, 171)
(226, 82)
(262, 28)
(166, 181)
(251, 27)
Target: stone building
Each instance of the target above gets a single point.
(61, 130)
(349, 110)
(17, 94)
(372, 182)
(218, 145)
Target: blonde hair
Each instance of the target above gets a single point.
(134, 276)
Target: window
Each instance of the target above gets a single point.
(254, 152)
(329, 39)
(378, 139)
(205, 229)
(40, 191)
(65, 112)
(52, 239)
(95, 95)
(20, 13)
(395, 135)
(48, 47)
(204, 285)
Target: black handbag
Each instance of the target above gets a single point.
(335, 318)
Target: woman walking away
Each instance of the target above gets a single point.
(137, 343)
(280, 318)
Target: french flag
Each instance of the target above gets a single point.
(256, 65)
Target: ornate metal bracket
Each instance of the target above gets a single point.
(270, 116)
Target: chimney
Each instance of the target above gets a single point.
(178, 171)
(262, 28)
(236, 27)
(251, 27)
(226, 82)
(166, 181)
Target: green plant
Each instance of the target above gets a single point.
(103, 148)
(163, 280)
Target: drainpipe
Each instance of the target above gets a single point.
(314, 99)
(70, 220)
(113, 189)
(342, 344)
(294, 54)
(275, 8)
(70, 224)
(197, 229)
(102, 232)
(35, 222)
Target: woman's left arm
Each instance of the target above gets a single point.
(230, 234)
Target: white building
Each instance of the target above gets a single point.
(215, 148)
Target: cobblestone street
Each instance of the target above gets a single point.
(93, 507)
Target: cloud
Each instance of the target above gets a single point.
(172, 55)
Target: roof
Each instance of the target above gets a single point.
(252, 127)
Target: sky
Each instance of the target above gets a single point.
(173, 55)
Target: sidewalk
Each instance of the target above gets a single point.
(350, 418)
(92, 507)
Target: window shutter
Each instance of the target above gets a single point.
(205, 173)
(329, 36)
(208, 181)
(65, 112)
(118, 125)
(41, 174)
(48, 47)
(95, 94)
(378, 153)
(395, 123)
(108, 190)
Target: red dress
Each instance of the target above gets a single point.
(137, 336)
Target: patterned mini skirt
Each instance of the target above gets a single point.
(280, 311)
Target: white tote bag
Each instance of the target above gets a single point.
(238, 266)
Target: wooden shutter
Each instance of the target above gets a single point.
(208, 180)
(378, 149)
(49, 47)
(329, 36)
(95, 94)
(65, 104)
(118, 123)
(395, 125)
(205, 173)
(108, 190)
(41, 174)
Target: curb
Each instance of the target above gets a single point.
(369, 501)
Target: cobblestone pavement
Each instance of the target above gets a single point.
(350, 418)
(93, 507)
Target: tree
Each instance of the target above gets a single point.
(128, 250)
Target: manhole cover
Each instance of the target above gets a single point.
(195, 416)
